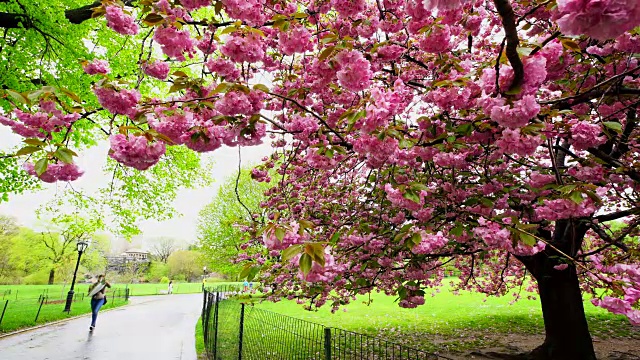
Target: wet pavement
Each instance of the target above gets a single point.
(151, 327)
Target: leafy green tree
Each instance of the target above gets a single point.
(45, 43)
(8, 229)
(219, 237)
(157, 271)
(185, 264)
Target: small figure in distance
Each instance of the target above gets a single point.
(204, 283)
(170, 290)
(246, 286)
(98, 298)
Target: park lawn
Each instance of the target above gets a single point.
(447, 321)
(23, 301)
(22, 313)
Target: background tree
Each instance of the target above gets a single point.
(219, 235)
(163, 247)
(8, 229)
(185, 265)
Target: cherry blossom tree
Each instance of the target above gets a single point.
(499, 137)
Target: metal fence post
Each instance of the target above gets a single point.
(3, 310)
(206, 310)
(39, 308)
(215, 326)
(241, 332)
(327, 343)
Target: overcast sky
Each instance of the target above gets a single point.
(188, 202)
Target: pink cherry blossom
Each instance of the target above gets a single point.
(517, 115)
(244, 48)
(194, 4)
(600, 19)
(119, 21)
(585, 135)
(512, 142)
(56, 172)
(118, 102)
(175, 43)
(348, 8)
(251, 11)
(355, 71)
(135, 151)
(157, 69)
(96, 67)
(295, 40)
(443, 4)
(223, 68)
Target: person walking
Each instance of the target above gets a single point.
(170, 290)
(97, 292)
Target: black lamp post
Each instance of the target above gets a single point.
(82, 246)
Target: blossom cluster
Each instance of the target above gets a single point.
(121, 102)
(135, 151)
(37, 124)
(59, 171)
(119, 21)
(96, 67)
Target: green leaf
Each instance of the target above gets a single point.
(253, 271)
(415, 239)
(261, 87)
(306, 224)
(335, 237)
(305, 263)
(527, 239)
(64, 154)
(245, 271)
(576, 197)
(34, 142)
(571, 45)
(153, 19)
(411, 195)
(291, 251)
(280, 233)
(18, 96)
(41, 166)
(28, 150)
(457, 230)
(613, 125)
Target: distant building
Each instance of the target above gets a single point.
(133, 259)
(136, 254)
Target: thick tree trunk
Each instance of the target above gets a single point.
(52, 275)
(565, 324)
(566, 329)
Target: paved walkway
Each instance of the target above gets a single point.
(151, 327)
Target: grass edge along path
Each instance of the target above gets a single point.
(200, 349)
(448, 322)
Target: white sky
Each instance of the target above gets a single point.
(92, 161)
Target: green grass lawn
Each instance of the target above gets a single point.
(22, 312)
(24, 300)
(461, 320)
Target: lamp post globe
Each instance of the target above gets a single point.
(81, 247)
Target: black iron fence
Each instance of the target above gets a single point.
(237, 331)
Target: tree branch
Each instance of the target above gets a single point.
(511, 33)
